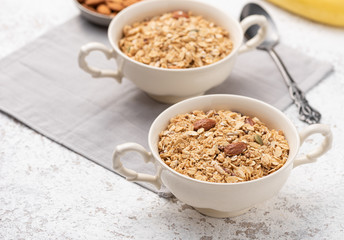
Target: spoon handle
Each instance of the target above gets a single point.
(306, 112)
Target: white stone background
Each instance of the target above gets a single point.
(49, 192)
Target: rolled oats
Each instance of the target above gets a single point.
(175, 40)
(226, 152)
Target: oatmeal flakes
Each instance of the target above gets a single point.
(175, 40)
(197, 145)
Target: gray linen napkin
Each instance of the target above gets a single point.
(42, 86)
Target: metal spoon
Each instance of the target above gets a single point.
(306, 112)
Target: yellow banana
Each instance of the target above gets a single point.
(329, 12)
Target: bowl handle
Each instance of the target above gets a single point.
(130, 174)
(320, 150)
(246, 23)
(95, 72)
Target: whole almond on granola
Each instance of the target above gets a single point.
(204, 123)
(235, 148)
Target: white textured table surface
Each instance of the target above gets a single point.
(48, 192)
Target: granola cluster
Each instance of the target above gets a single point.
(176, 40)
(222, 146)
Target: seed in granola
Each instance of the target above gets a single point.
(206, 123)
(258, 139)
(235, 148)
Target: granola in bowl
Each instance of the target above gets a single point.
(176, 40)
(222, 146)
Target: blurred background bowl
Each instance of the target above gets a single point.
(101, 12)
(93, 16)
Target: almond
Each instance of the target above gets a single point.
(94, 2)
(249, 121)
(204, 123)
(235, 148)
(103, 9)
(115, 5)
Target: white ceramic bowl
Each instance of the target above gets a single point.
(172, 85)
(223, 199)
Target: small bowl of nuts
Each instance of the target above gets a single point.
(173, 50)
(222, 154)
(101, 12)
